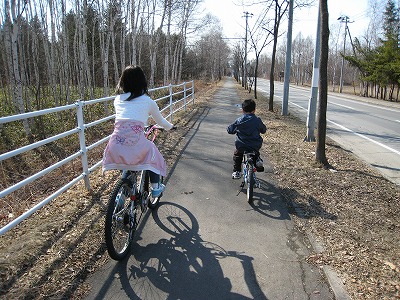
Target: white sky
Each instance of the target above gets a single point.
(305, 19)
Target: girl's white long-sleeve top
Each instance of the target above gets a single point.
(139, 109)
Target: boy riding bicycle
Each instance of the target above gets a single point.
(247, 128)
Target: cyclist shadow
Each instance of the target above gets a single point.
(184, 266)
(267, 201)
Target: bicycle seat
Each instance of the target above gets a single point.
(249, 152)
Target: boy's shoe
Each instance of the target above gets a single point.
(259, 165)
(236, 175)
(157, 192)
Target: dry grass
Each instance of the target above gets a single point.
(353, 211)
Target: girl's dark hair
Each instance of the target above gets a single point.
(132, 81)
(249, 105)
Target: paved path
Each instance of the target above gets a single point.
(205, 241)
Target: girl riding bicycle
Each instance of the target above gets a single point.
(128, 148)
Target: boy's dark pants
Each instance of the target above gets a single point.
(238, 158)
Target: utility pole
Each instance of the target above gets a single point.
(288, 62)
(342, 19)
(246, 15)
(312, 104)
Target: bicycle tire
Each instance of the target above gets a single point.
(250, 183)
(119, 225)
(153, 202)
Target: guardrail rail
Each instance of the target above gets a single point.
(178, 98)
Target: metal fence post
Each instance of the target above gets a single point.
(184, 95)
(171, 108)
(193, 91)
(81, 126)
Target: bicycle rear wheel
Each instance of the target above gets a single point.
(250, 183)
(120, 224)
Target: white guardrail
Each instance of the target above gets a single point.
(178, 100)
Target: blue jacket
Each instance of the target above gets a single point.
(247, 129)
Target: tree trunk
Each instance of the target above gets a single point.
(65, 67)
(114, 54)
(167, 52)
(271, 76)
(12, 33)
(255, 76)
(323, 85)
(279, 12)
(53, 58)
(105, 44)
(154, 40)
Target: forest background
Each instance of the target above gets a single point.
(54, 52)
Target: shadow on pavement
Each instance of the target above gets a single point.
(183, 266)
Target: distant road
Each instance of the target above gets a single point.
(369, 130)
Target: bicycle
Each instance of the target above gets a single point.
(127, 204)
(249, 175)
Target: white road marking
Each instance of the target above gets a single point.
(365, 137)
(345, 106)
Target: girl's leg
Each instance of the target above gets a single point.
(156, 187)
(154, 177)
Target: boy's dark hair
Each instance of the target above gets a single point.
(249, 105)
(133, 81)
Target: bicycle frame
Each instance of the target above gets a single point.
(249, 175)
(123, 216)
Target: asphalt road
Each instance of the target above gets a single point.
(371, 130)
(205, 241)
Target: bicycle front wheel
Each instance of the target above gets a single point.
(250, 183)
(120, 221)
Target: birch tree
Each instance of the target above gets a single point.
(186, 9)
(154, 31)
(64, 67)
(105, 37)
(168, 42)
(13, 15)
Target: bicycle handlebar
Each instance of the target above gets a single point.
(156, 126)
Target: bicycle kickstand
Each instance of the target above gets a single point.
(241, 187)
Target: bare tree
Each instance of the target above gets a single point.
(65, 74)
(238, 58)
(105, 38)
(168, 42)
(259, 40)
(320, 154)
(13, 17)
(155, 24)
(186, 9)
(280, 8)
